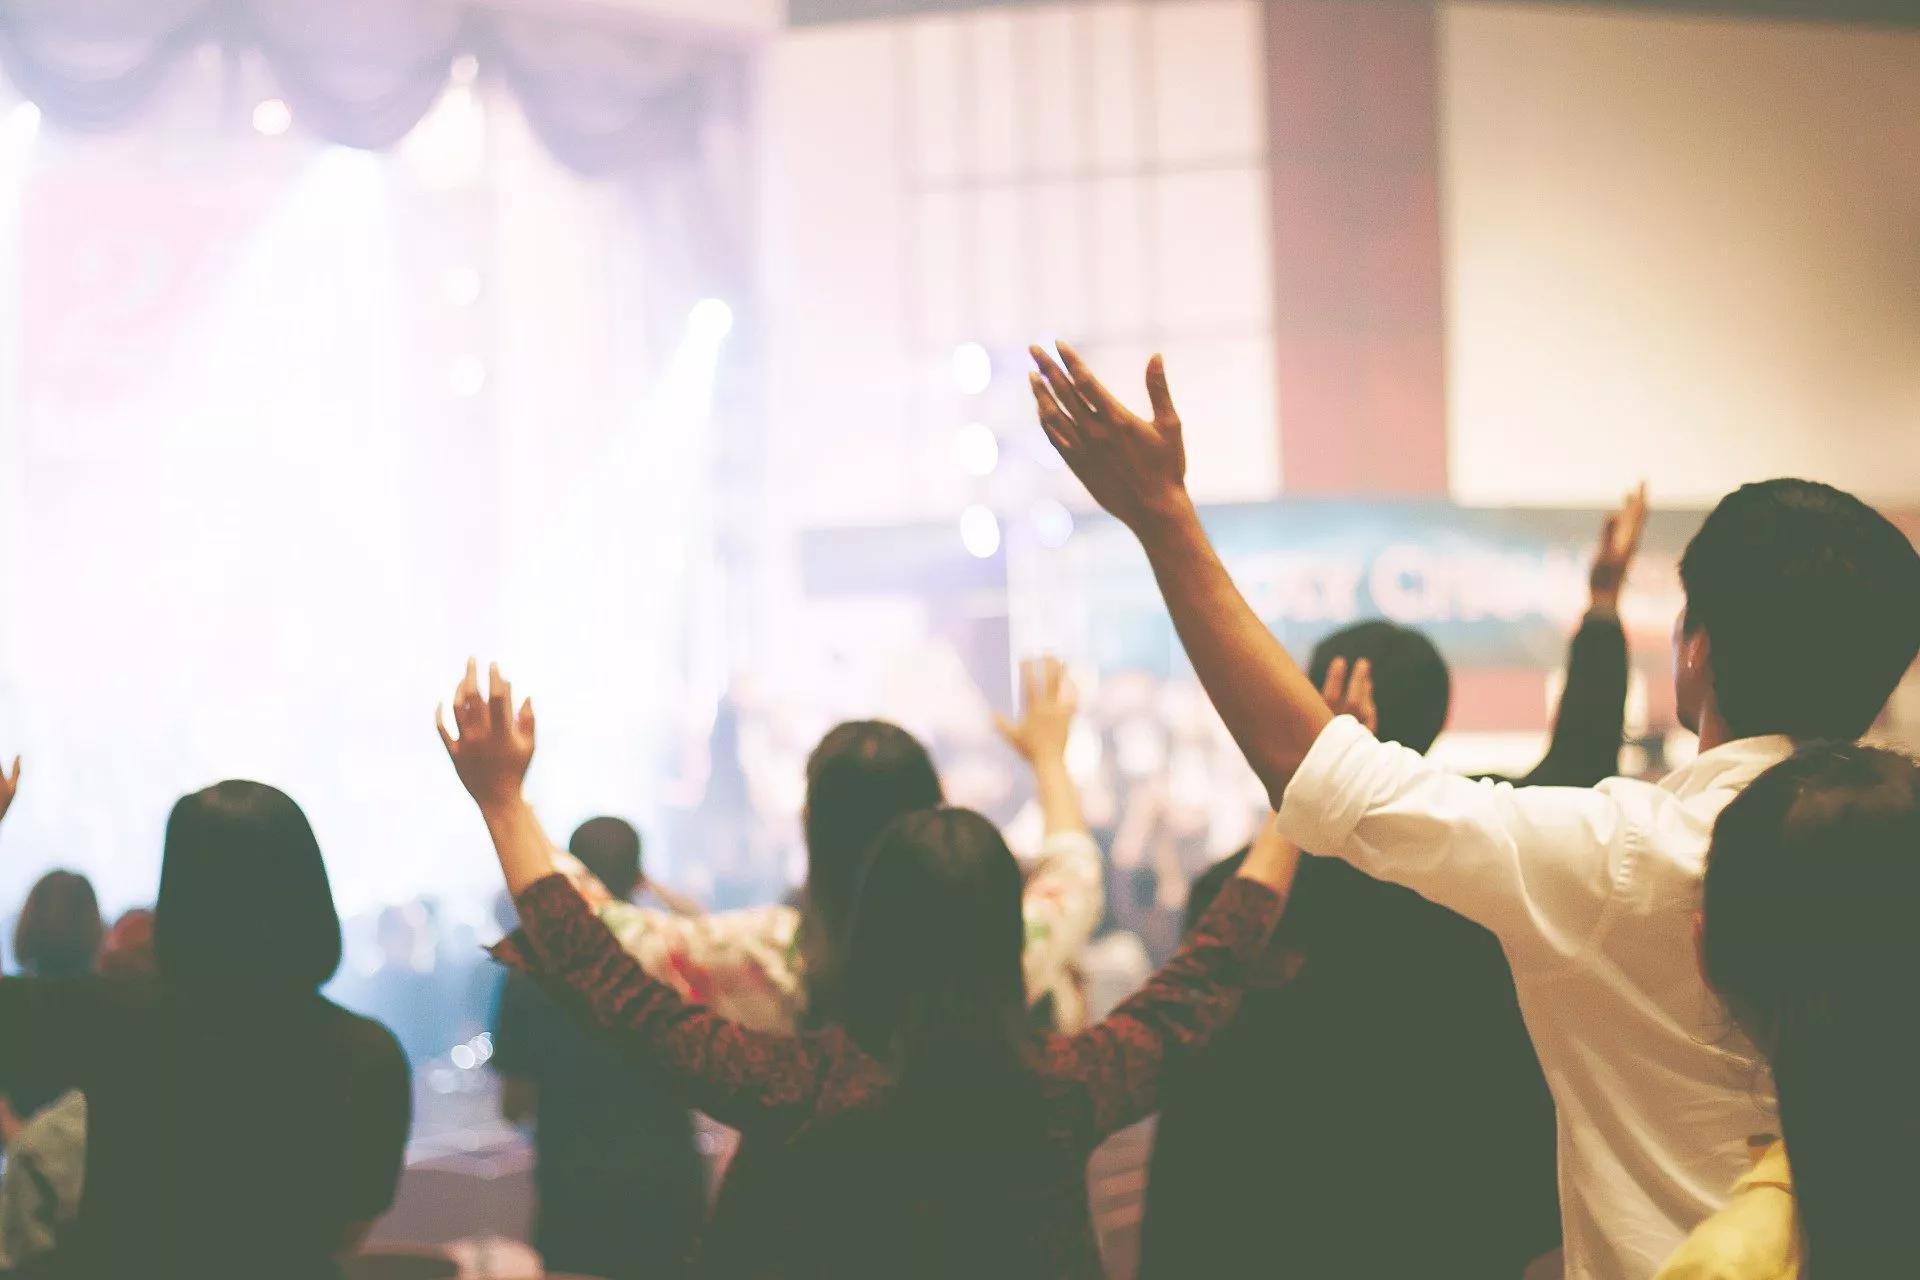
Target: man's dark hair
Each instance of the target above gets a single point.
(59, 928)
(1411, 687)
(610, 848)
(1811, 604)
(244, 897)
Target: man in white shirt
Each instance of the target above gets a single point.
(1803, 613)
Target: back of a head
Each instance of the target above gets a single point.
(933, 980)
(59, 929)
(1811, 890)
(1810, 600)
(244, 898)
(1411, 686)
(610, 848)
(861, 776)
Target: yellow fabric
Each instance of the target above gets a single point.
(1753, 1238)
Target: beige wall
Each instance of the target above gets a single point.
(1681, 247)
(1094, 171)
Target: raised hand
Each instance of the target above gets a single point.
(9, 787)
(1134, 467)
(1047, 703)
(495, 745)
(1619, 540)
(1352, 694)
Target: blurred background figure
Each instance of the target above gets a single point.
(619, 1185)
(47, 1155)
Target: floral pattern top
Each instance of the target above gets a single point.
(746, 964)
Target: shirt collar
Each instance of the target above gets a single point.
(1728, 766)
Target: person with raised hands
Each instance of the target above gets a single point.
(1802, 614)
(928, 1131)
(776, 967)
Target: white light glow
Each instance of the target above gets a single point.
(972, 369)
(464, 1057)
(461, 286)
(467, 376)
(1052, 523)
(709, 321)
(272, 117)
(977, 448)
(466, 68)
(448, 148)
(24, 119)
(979, 531)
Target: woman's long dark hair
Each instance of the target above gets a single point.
(933, 985)
(60, 929)
(1809, 905)
(245, 903)
(861, 776)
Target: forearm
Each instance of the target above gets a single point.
(1270, 707)
(525, 852)
(1058, 796)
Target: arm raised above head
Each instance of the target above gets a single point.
(1135, 467)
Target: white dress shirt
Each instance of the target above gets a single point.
(1592, 893)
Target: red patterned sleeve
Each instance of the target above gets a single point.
(737, 1076)
(1120, 1060)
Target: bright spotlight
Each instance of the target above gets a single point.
(1052, 523)
(465, 69)
(272, 117)
(24, 118)
(972, 368)
(977, 448)
(448, 147)
(464, 1057)
(710, 320)
(979, 531)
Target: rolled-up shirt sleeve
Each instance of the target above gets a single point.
(1537, 867)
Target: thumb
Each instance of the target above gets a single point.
(1157, 393)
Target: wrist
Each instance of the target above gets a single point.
(1172, 517)
(1606, 603)
(502, 807)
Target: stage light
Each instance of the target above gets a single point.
(465, 69)
(272, 117)
(709, 321)
(972, 368)
(1052, 523)
(448, 147)
(467, 376)
(977, 448)
(24, 118)
(461, 286)
(979, 531)
(464, 1057)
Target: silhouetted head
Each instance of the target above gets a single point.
(1411, 687)
(1803, 613)
(933, 980)
(1811, 892)
(244, 898)
(610, 848)
(861, 776)
(59, 929)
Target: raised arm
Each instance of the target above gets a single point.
(1123, 1058)
(1066, 892)
(1591, 719)
(1136, 468)
(735, 1075)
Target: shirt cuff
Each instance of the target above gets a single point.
(1322, 805)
